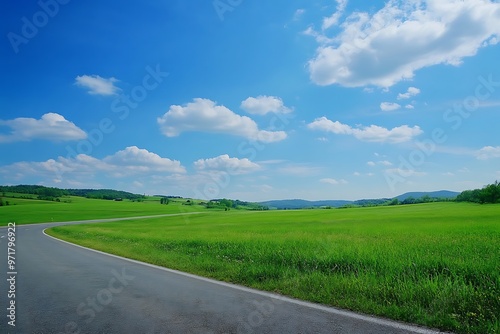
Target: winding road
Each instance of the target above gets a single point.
(64, 288)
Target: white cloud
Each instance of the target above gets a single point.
(262, 105)
(333, 181)
(320, 38)
(133, 159)
(389, 106)
(372, 133)
(333, 20)
(409, 106)
(205, 115)
(225, 163)
(389, 45)
(51, 126)
(488, 152)
(97, 85)
(298, 14)
(411, 92)
(129, 162)
(381, 162)
(359, 174)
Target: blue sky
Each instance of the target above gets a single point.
(251, 100)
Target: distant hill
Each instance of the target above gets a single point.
(51, 193)
(302, 204)
(432, 194)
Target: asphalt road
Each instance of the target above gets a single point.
(63, 288)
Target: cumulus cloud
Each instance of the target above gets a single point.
(372, 133)
(262, 105)
(333, 181)
(488, 152)
(50, 126)
(411, 92)
(333, 20)
(225, 163)
(132, 161)
(389, 106)
(389, 45)
(97, 85)
(205, 115)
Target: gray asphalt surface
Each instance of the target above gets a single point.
(62, 288)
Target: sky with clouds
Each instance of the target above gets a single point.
(251, 100)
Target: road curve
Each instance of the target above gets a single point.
(64, 288)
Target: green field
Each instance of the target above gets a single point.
(28, 211)
(433, 264)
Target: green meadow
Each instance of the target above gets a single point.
(433, 264)
(28, 211)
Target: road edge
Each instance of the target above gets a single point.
(329, 309)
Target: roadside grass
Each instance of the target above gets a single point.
(70, 208)
(431, 264)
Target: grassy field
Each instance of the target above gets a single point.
(433, 264)
(27, 211)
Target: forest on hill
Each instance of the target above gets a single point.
(51, 193)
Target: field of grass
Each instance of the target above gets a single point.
(432, 264)
(27, 211)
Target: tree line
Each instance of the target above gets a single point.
(52, 194)
(488, 194)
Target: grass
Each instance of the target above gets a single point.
(28, 211)
(432, 264)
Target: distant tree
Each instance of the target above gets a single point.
(409, 200)
(394, 201)
(469, 196)
(227, 203)
(488, 194)
(425, 199)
